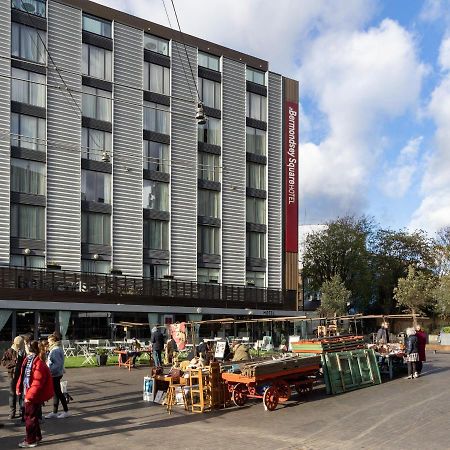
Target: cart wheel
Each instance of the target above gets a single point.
(270, 398)
(239, 395)
(284, 390)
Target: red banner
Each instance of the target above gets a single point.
(291, 177)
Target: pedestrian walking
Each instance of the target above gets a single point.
(383, 334)
(55, 362)
(157, 341)
(412, 353)
(422, 339)
(36, 386)
(12, 360)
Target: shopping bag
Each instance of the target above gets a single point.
(64, 391)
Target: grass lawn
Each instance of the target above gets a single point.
(74, 362)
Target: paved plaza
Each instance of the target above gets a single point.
(108, 412)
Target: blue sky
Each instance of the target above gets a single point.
(375, 82)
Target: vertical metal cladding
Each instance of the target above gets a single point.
(127, 150)
(183, 165)
(64, 137)
(275, 167)
(5, 71)
(234, 173)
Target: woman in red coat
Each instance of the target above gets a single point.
(36, 385)
(421, 343)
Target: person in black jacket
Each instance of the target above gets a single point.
(157, 341)
(412, 352)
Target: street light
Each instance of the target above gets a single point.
(27, 252)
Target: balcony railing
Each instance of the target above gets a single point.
(66, 284)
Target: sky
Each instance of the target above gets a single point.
(374, 95)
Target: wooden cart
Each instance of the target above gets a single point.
(273, 388)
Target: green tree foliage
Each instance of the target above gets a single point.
(334, 297)
(441, 247)
(442, 296)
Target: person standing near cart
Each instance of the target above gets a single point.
(383, 334)
(421, 343)
(157, 341)
(412, 353)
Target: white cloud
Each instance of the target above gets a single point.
(399, 177)
(444, 54)
(433, 10)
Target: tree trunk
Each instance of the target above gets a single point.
(413, 311)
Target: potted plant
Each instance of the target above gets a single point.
(102, 356)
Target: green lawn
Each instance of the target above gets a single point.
(73, 362)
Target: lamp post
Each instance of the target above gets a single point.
(26, 252)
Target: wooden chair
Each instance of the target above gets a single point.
(171, 398)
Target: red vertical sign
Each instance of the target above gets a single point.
(291, 177)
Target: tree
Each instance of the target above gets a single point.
(334, 297)
(415, 292)
(441, 247)
(442, 296)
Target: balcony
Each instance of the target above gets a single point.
(63, 286)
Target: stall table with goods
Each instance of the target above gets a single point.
(391, 358)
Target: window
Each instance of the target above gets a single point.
(35, 7)
(257, 279)
(210, 132)
(256, 210)
(27, 222)
(208, 166)
(156, 195)
(208, 203)
(209, 92)
(27, 132)
(208, 275)
(34, 262)
(27, 87)
(256, 176)
(97, 104)
(209, 61)
(208, 240)
(256, 245)
(95, 228)
(97, 62)
(155, 271)
(96, 25)
(27, 176)
(256, 76)
(156, 235)
(256, 106)
(95, 186)
(156, 156)
(156, 117)
(27, 43)
(256, 141)
(156, 78)
(95, 266)
(156, 44)
(94, 143)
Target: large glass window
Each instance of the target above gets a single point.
(156, 118)
(208, 203)
(208, 240)
(256, 106)
(27, 43)
(31, 261)
(205, 275)
(96, 25)
(210, 132)
(256, 210)
(95, 266)
(27, 132)
(208, 166)
(27, 176)
(156, 44)
(97, 62)
(35, 7)
(256, 141)
(95, 186)
(209, 61)
(156, 195)
(155, 271)
(28, 87)
(256, 245)
(156, 235)
(256, 176)
(256, 76)
(156, 156)
(97, 104)
(27, 222)
(209, 92)
(94, 143)
(95, 228)
(257, 279)
(156, 78)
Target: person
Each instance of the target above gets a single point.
(12, 360)
(383, 334)
(421, 343)
(36, 386)
(157, 341)
(55, 362)
(240, 352)
(169, 350)
(412, 352)
(135, 351)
